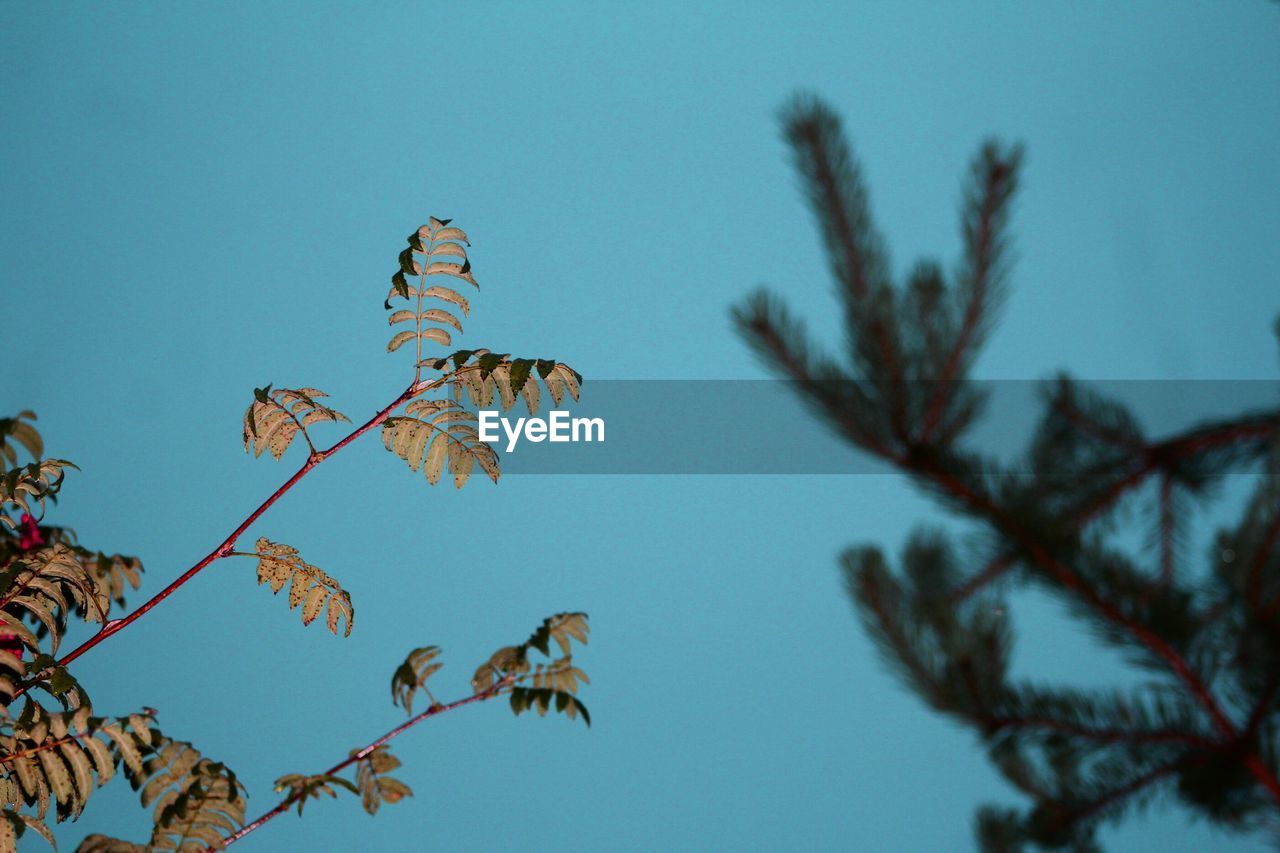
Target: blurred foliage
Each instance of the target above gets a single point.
(1199, 722)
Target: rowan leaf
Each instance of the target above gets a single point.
(411, 676)
(309, 586)
(433, 432)
(276, 417)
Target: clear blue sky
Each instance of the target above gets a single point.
(201, 198)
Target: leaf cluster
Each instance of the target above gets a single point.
(53, 762)
(372, 781)
(540, 686)
(411, 676)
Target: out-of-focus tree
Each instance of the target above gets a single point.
(1199, 720)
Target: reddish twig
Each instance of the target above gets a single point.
(435, 710)
(796, 365)
(224, 549)
(902, 645)
(1108, 498)
(43, 747)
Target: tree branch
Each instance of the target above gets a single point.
(435, 710)
(227, 546)
(1156, 644)
(840, 202)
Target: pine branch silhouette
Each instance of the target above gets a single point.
(1201, 724)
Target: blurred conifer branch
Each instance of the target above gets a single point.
(1205, 729)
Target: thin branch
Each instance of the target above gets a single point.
(1099, 431)
(770, 329)
(44, 747)
(227, 546)
(925, 680)
(1180, 447)
(1108, 498)
(435, 710)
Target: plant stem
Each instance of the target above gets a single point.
(44, 747)
(435, 710)
(227, 546)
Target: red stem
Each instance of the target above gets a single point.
(1085, 424)
(435, 710)
(228, 545)
(797, 367)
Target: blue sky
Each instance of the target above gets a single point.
(201, 198)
